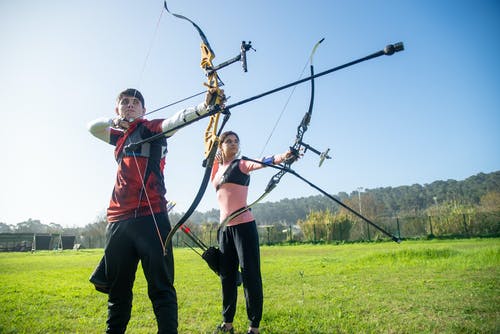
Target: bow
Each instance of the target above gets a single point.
(299, 144)
(388, 51)
(295, 149)
(212, 131)
(211, 139)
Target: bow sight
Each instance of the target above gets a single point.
(322, 155)
(241, 57)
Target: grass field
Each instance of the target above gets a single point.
(414, 287)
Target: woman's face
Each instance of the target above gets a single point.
(230, 145)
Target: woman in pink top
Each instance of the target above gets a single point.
(239, 240)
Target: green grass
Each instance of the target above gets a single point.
(414, 287)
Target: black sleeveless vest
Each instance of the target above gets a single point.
(233, 174)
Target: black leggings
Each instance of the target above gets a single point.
(239, 245)
(127, 242)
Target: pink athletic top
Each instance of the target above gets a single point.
(232, 196)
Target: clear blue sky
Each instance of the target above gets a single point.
(429, 113)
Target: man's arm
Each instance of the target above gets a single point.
(215, 96)
(101, 128)
(182, 117)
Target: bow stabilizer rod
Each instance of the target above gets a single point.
(291, 171)
(387, 51)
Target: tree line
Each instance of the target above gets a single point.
(478, 190)
(452, 201)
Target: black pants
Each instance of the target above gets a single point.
(239, 245)
(127, 242)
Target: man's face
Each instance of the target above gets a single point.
(130, 108)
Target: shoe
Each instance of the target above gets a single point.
(222, 329)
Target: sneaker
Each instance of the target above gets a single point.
(222, 329)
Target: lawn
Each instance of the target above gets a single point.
(431, 286)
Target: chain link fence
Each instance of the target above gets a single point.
(463, 225)
(347, 229)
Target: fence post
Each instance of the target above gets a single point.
(430, 227)
(399, 230)
(268, 228)
(465, 225)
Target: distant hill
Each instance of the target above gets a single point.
(390, 201)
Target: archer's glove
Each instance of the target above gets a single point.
(215, 97)
(218, 157)
(292, 155)
(120, 123)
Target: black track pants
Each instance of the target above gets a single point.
(127, 242)
(239, 245)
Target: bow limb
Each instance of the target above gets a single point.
(202, 34)
(301, 129)
(209, 162)
(213, 81)
(197, 199)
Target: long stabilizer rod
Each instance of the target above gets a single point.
(387, 51)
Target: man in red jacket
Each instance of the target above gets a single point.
(137, 213)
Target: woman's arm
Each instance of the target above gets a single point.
(248, 166)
